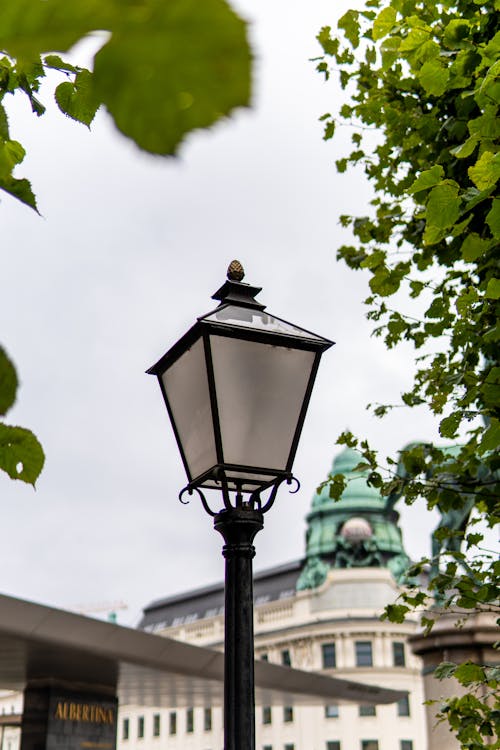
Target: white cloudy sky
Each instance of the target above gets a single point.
(127, 254)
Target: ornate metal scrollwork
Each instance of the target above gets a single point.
(254, 502)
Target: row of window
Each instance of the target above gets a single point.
(335, 745)
(363, 653)
(331, 712)
(172, 724)
(403, 709)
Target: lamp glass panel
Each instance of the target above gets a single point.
(259, 320)
(260, 392)
(186, 385)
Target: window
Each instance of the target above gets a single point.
(369, 744)
(398, 654)
(140, 727)
(126, 729)
(267, 747)
(406, 744)
(333, 745)
(287, 714)
(207, 720)
(403, 706)
(286, 659)
(266, 715)
(156, 725)
(364, 654)
(332, 711)
(367, 711)
(172, 723)
(289, 746)
(190, 720)
(328, 654)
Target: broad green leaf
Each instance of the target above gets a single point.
(187, 68)
(416, 38)
(77, 99)
(469, 672)
(8, 383)
(427, 179)
(21, 455)
(493, 217)
(384, 23)
(443, 205)
(493, 289)
(486, 171)
(491, 438)
(55, 62)
(396, 612)
(473, 247)
(11, 154)
(445, 670)
(449, 425)
(465, 149)
(30, 28)
(20, 189)
(349, 22)
(456, 32)
(4, 125)
(433, 77)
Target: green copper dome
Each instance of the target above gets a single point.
(359, 530)
(358, 495)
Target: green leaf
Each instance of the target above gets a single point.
(21, 455)
(491, 438)
(384, 23)
(11, 154)
(473, 247)
(187, 68)
(20, 189)
(465, 149)
(486, 171)
(433, 77)
(55, 62)
(350, 24)
(448, 427)
(8, 383)
(77, 99)
(30, 28)
(493, 217)
(456, 32)
(396, 612)
(427, 179)
(493, 289)
(468, 673)
(4, 125)
(443, 205)
(444, 670)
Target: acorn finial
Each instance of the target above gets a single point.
(235, 271)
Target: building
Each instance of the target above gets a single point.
(319, 613)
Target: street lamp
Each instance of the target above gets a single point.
(237, 386)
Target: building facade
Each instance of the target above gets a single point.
(319, 613)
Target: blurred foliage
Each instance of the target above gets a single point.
(163, 70)
(21, 455)
(423, 89)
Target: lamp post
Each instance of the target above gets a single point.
(236, 387)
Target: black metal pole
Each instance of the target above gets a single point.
(239, 526)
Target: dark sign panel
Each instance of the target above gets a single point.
(56, 719)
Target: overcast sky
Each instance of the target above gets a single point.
(128, 252)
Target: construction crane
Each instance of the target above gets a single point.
(111, 608)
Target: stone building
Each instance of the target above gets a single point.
(319, 613)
